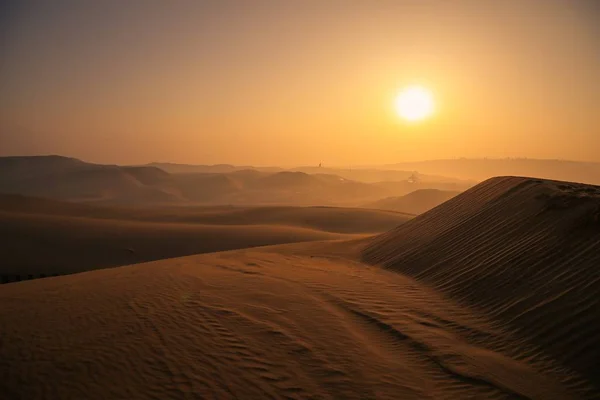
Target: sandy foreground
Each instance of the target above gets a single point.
(491, 295)
(252, 324)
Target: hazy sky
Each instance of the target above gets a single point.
(298, 82)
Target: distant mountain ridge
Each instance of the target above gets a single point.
(71, 179)
(367, 175)
(175, 168)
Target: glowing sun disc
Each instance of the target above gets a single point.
(414, 103)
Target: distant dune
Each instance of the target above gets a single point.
(526, 252)
(42, 244)
(328, 219)
(492, 295)
(51, 237)
(71, 179)
(416, 202)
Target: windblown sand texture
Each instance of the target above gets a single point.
(525, 252)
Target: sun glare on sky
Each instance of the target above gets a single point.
(414, 103)
(209, 82)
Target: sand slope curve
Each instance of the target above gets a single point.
(524, 251)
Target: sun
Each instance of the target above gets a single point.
(414, 103)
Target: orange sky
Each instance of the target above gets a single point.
(298, 82)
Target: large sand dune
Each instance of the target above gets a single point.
(492, 295)
(526, 252)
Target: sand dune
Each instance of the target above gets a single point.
(254, 325)
(492, 295)
(43, 244)
(72, 179)
(328, 219)
(416, 202)
(74, 237)
(523, 251)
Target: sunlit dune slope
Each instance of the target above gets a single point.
(256, 324)
(526, 252)
(416, 202)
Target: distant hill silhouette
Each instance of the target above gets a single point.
(216, 168)
(70, 179)
(67, 178)
(366, 175)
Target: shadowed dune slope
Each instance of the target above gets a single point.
(524, 251)
(41, 236)
(416, 202)
(257, 324)
(328, 219)
(45, 244)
